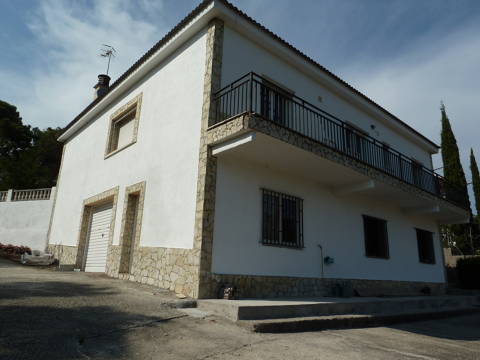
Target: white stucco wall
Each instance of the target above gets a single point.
(25, 223)
(334, 222)
(241, 55)
(165, 156)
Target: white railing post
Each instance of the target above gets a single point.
(53, 191)
(9, 195)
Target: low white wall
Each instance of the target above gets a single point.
(333, 222)
(25, 222)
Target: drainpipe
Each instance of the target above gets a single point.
(321, 258)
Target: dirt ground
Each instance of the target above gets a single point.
(53, 315)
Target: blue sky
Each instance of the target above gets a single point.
(407, 55)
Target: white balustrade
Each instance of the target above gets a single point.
(31, 194)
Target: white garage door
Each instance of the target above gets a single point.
(98, 238)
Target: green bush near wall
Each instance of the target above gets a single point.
(468, 270)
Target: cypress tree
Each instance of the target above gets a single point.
(455, 176)
(475, 180)
(452, 167)
(476, 193)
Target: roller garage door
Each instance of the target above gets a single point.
(98, 238)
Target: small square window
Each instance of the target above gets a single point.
(123, 126)
(122, 131)
(376, 237)
(282, 220)
(426, 251)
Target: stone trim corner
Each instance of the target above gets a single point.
(130, 218)
(207, 165)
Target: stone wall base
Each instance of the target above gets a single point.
(167, 268)
(66, 255)
(250, 286)
(177, 270)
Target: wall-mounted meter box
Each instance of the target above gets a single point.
(328, 260)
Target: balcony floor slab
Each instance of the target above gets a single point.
(288, 152)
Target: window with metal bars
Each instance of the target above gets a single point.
(282, 221)
(376, 237)
(426, 252)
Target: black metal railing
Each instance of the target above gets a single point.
(256, 95)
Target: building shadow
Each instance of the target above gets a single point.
(26, 289)
(53, 333)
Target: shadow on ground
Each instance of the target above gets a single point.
(7, 263)
(31, 332)
(464, 328)
(62, 320)
(26, 289)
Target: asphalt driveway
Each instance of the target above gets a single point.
(64, 315)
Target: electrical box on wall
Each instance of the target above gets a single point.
(328, 260)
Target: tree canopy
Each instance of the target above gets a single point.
(29, 157)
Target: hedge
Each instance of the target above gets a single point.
(468, 270)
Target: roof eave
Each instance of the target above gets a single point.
(161, 50)
(277, 45)
(196, 20)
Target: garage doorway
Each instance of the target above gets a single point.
(98, 238)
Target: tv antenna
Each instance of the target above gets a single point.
(108, 51)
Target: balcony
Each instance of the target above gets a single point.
(255, 96)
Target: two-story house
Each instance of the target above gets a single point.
(225, 156)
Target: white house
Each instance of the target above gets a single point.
(225, 156)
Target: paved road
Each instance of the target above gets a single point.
(55, 315)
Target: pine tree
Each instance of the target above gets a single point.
(29, 158)
(475, 180)
(15, 138)
(452, 167)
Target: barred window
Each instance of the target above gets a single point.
(426, 252)
(282, 222)
(376, 237)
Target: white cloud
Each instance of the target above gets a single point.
(67, 62)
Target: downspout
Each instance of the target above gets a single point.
(321, 259)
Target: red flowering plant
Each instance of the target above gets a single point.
(10, 250)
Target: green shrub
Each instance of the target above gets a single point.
(468, 270)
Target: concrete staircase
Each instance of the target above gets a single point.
(286, 315)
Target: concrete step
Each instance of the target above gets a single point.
(347, 321)
(256, 309)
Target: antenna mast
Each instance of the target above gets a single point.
(108, 52)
